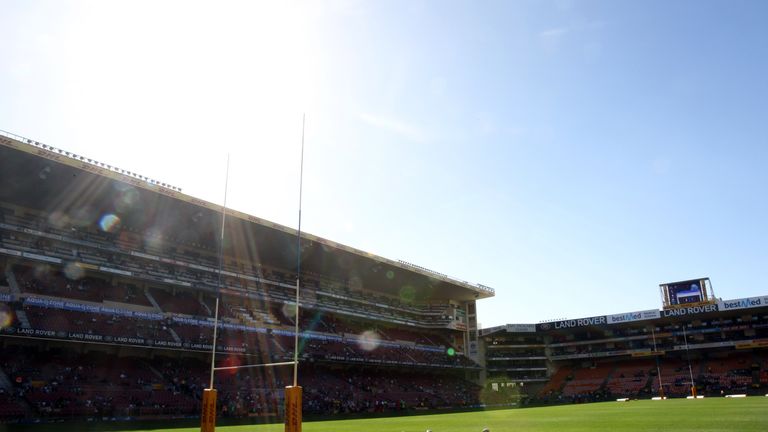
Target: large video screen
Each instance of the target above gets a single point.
(685, 292)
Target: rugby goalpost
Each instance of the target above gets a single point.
(293, 393)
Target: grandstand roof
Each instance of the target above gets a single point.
(697, 311)
(42, 178)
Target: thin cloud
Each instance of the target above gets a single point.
(551, 39)
(399, 127)
(558, 32)
(554, 32)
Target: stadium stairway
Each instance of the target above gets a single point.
(280, 347)
(12, 283)
(763, 372)
(205, 306)
(174, 335)
(608, 377)
(757, 369)
(5, 382)
(154, 371)
(152, 301)
(429, 341)
(21, 315)
(557, 381)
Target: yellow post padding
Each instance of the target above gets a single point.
(208, 417)
(293, 409)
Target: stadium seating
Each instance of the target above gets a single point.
(100, 250)
(180, 303)
(65, 383)
(11, 408)
(147, 297)
(556, 382)
(629, 378)
(676, 376)
(733, 374)
(102, 308)
(586, 380)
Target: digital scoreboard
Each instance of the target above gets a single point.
(687, 293)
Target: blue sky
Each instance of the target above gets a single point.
(571, 154)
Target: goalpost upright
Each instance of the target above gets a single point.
(208, 415)
(293, 393)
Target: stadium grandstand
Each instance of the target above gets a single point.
(108, 290)
(696, 345)
(108, 286)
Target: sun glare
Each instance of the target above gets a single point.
(261, 56)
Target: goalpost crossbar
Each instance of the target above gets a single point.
(254, 366)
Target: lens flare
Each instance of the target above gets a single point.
(58, 219)
(41, 271)
(355, 283)
(368, 340)
(315, 321)
(289, 310)
(450, 352)
(407, 294)
(230, 361)
(73, 271)
(390, 274)
(83, 216)
(109, 222)
(153, 239)
(126, 199)
(6, 316)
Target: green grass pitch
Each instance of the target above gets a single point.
(677, 415)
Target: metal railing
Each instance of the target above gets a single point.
(80, 158)
(480, 287)
(37, 144)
